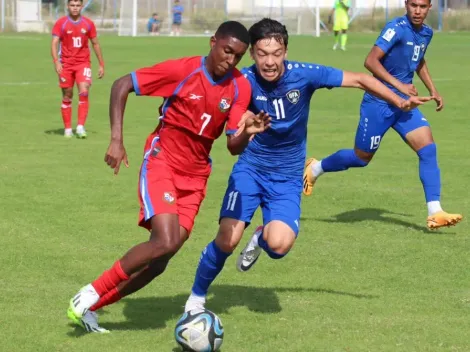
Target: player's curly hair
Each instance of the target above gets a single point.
(233, 29)
(268, 28)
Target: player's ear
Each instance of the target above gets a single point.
(212, 42)
(285, 55)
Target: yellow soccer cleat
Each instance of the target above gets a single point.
(309, 179)
(442, 218)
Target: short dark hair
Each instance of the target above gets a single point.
(69, 1)
(268, 28)
(154, 14)
(233, 29)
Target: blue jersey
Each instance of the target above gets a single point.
(282, 148)
(404, 48)
(177, 13)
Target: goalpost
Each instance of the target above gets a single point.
(300, 16)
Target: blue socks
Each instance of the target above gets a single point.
(342, 160)
(429, 172)
(210, 265)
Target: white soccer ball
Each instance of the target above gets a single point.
(199, 330)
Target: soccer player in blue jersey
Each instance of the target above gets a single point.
(397, 54)
(269, 171)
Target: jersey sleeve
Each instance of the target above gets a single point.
(324, 77)
(92, 33)
(240, 105)
(389, 36)
(160, 80)
(57, 29)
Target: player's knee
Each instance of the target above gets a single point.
(361, 158)
(67, 94)
(229, 234)
(170, 244)
(279, 244)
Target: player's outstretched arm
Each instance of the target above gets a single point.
(99, 55)
(54, 53)
(116, 152)
(377, 88)
(425, 76)
(373, 64)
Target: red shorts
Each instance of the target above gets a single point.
(76, 73)
(164, 190)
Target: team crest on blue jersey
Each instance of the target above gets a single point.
(224, 104)
(168, 197)
(423, 47)
(293, 96)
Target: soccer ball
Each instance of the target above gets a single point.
(199, 330)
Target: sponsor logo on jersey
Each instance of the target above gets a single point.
(224, 104)
(168, 197)
(195, 96)
(293, 96)
(261, 97)
(83, 30)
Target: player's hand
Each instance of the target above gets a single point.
(414, 102)
(439, 101)
(409, 89)
(115, 155)
(101, 72)
(58, 67)
(257, 123)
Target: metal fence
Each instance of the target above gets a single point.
(203, 16)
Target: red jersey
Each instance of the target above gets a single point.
(74, 38)
(195, 109)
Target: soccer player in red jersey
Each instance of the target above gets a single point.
(201, 96)
(71, 56)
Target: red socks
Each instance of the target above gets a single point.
(82, 108)
(109, 298)
(66, 110)
(109, 279)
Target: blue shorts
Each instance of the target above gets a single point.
(377, 118)
(249, 187)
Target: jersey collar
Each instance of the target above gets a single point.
(209, 77)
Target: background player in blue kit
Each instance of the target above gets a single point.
(396, 55)
(269, 171)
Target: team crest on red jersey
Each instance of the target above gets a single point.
(224, 104)
(168, 197)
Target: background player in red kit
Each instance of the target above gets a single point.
(202, 95)
(72, 62)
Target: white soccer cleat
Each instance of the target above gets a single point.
(251, 252)
(83, 300)
(68, 133)
(90, 323)
(81, 132)
(335, 46)
(195, 302)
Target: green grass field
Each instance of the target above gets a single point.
(364, 275)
